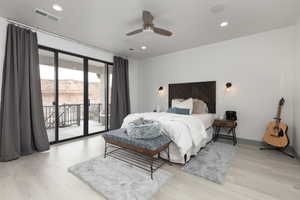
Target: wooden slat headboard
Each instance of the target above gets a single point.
(206, 91)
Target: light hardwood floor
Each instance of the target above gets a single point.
(254, 175)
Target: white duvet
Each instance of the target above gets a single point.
(186, 131)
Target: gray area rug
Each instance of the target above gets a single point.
(212, 162)
(117, 180)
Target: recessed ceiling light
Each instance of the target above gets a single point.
(57, 7)
(143, 47)
(223, 24)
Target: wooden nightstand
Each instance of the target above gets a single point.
(229, 126)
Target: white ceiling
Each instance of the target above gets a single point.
(104, 23)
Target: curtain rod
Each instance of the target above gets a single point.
(37, 29)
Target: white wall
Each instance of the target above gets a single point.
(259, 67)
(134, 71)
(297, 92)
(74, 47)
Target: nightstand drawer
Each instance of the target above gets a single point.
(224, 123)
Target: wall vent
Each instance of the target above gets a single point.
(46, 14)
(40, 12)
(52, 17)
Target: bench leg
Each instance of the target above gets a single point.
(105, 149)
(168, 153)
(169, 156)
(151, 167)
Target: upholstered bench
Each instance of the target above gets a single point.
(138, 152)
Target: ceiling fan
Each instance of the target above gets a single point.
(149, 26)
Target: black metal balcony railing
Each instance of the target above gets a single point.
(70, 114)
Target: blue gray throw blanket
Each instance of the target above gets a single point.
(144, 129)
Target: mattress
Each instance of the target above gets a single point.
(176, 157)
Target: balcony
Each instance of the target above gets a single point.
(70, 118)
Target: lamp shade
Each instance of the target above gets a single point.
(228, 86)
(160, 91)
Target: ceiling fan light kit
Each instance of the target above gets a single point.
(148, 26)
(57, 7)
(148, 29)
(224, 24)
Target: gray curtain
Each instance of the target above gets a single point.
(22, 128)
(120, 104)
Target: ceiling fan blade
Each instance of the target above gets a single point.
(135, 32)
(147, 17)
(162, 31)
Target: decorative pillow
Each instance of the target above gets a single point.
(187, 104)
(199, 107)
(176, 101)
(206, 108)
(171, 110)
(181, 111)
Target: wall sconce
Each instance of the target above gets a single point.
(228, 87)
(160, 91)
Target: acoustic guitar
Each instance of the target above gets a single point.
(276, 134)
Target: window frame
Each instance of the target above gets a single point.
(85, 92)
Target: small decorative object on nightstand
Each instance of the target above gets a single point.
(228, 125)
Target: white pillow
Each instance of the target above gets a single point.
(187, 104)
(199, 107)
(176, 101)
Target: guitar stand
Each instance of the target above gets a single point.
(282, 150)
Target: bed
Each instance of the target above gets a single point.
(189, 133)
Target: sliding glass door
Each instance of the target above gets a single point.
(97, 96)
(76, 94)
(70, 96)
(47, 76)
